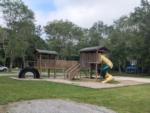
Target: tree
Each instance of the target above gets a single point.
(63, 37)
(3, 45)
(123, 43)
(20, 27)
(140, 18)
(98, 33)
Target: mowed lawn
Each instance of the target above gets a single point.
(132, 99)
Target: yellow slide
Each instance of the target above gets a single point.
(108, 78)
(106, 66)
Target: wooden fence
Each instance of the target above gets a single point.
(57, 64)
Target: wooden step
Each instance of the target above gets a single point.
(74, 71)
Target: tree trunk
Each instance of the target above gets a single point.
(119, 66)
(23, 59)
(11, 64)
(124, 66)
(142, 67)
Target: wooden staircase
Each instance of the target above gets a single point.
(72, 71)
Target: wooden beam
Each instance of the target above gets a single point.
(49, 73)
(40, 64)
(96, 68)
(54, 72)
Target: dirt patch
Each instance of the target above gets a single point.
(96, 84)
(53, 106)
(3, 109)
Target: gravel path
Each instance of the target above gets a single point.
(53, 106)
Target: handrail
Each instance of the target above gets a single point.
(74, 74)
(71, 68)
(74, 69)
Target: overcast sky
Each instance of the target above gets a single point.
(81, 12)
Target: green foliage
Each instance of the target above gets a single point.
(129, 39)
(97, 33)
(20, 25)
(3, 44)
(63, 37)
(22, 33)
(15, 11)
(67, 38)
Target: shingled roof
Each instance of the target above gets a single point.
(46, 52)
(92, 49)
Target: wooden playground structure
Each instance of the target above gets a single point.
(48, 60)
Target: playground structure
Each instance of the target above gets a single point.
(89, 59)
(48, 60)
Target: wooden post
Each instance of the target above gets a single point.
(40, 65)
(54, 73)
(96, 68)
(55, 68)
(80, 74)
(90, 70)
(64, 73)
(48, 73)
(48, 66)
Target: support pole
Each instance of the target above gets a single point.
(96, 68)
(54, 73)
(48, 73)
(40, 64)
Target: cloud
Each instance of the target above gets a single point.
(85, 12)
(2, 22)
(81, 12)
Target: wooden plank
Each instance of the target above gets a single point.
(40, 64)
(48, 73)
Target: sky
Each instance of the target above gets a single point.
(81, 12)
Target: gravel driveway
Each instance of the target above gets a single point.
(53, 106)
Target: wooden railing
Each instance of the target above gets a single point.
(71, 68)
(64, 64)
(73, 71)
(58, 64)
(46, 63)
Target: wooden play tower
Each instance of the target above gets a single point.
(89, 59)
(48, 60)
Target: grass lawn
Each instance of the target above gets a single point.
(130, 75)
(132, 99)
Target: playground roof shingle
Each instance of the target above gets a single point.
(91, 49)
(46, 52)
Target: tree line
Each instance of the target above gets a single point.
(128, 38)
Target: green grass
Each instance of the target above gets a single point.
(1, 73)
(130, 75)
(132, 99)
